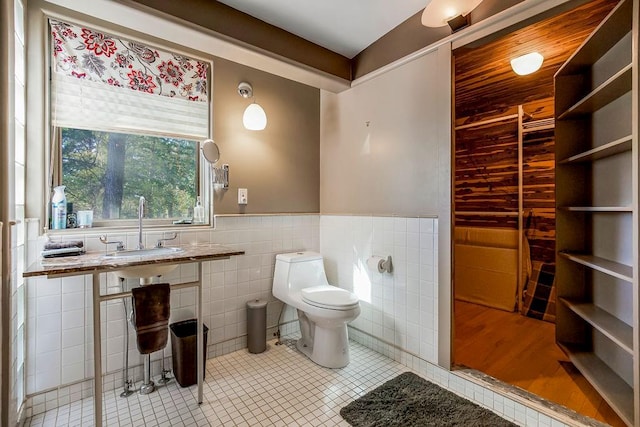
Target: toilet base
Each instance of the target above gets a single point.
(304, 348)
(329, 348)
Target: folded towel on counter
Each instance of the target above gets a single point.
(151, 310)
(62, 245)
(66, 248)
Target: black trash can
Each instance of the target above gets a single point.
(183, 351)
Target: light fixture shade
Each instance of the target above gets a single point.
(254, 117)
(438, 12)
(527, 64)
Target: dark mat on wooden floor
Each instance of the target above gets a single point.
(409, 400)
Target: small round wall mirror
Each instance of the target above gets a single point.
(210, 151)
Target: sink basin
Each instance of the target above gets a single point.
(144, 271)
(146, 253)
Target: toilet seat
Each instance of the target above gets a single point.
(329, 297)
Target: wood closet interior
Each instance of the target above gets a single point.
(505, 209)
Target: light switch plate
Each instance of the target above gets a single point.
(243, 196)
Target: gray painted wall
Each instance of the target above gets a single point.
(280, 166)
(411, 36)
(399, 163)
(379, 152)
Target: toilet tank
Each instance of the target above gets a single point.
(297, 270)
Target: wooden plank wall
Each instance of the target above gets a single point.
(485, 84)
(486, 177)
(486, 163)
(486, 158)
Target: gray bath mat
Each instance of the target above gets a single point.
(409, 400)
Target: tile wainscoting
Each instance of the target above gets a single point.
(401, 307)
(59, 314)
(398, 319)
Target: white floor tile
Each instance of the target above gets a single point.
(279, 387)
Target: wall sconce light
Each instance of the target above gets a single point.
(439, 13)
(527, 64)
(254, 117)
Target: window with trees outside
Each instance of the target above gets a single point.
(127, 120)
(109, 171)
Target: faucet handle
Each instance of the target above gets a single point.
(160, 243)
(120, 246)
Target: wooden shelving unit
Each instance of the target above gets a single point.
(600, 319)
(617, 393)
(612, 268)
(612, 148)
(597, 210)
(616, 86)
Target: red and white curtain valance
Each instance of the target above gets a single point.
(118, 79)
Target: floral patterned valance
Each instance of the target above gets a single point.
(88, 54)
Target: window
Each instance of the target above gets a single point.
(126, 122)
(108, 172)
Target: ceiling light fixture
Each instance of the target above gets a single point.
(439, 13)
(254, 117)
(527, 64)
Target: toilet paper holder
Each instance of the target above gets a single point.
(381, 264)
(386, 265)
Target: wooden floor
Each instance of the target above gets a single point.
(521, 351)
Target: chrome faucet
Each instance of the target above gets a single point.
(120, 243)
(140, 216)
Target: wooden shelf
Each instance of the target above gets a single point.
(612, 268)
(594, 121)
(538, 129)
(484, 213)
(617, 393)
(538, 125)
(614, 87)
(609, 325)
(616, 25)
(605, 209)
(609, 149)
(487, 122)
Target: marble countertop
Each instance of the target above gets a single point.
(98, 262)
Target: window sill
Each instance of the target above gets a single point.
(128, 227)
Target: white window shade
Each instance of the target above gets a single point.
(108, 83)
(84, 104)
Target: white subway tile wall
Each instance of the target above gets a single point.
(398, 319)
(400, 308)
(59, 322)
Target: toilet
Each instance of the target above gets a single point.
(299, 280)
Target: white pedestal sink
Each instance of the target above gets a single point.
(144, 272)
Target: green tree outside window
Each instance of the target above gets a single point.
(109, 171)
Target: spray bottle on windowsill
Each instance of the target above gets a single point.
(198, 212)
(58, 208)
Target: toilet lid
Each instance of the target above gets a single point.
(330, 297)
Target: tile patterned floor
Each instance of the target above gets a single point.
(279, 387)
